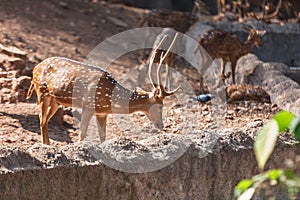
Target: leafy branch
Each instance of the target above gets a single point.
(263, 147)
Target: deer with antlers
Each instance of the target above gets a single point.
(61, 81)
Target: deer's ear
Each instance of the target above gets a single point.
(154, 93)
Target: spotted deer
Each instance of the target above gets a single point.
(61, 81)
(228, 47)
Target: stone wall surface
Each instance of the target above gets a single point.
(74, 172)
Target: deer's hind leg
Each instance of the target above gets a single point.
(44, 105)
(48, 108)
(52, 109)
(101, 123)
(85, 119)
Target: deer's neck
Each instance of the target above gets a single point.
(138, 102)
(248, 46)
(126, 101)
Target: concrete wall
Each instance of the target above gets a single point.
(69, 173)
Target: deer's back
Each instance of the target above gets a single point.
(72, 83)
(220, 44)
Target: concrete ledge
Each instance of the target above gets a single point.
(202, 172)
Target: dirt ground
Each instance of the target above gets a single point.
(64, 28)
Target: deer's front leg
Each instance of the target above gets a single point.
(44, 106)
(233, 66)
(101, 123)
(85, 119)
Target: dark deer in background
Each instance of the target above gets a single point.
(179, 21)
(61, 81)
(228, 47)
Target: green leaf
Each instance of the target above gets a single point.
(289, 174)
(275, 174)
(295, 127)
(242, 186)
(265, 142)
(283, 118)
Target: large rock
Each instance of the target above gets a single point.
(293, 73)
(8, 63)
(14, 59)
(282, 90)
(14, 63)
(20, 87)
(13, 51)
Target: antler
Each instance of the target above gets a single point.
(152, 60)
(162, 92)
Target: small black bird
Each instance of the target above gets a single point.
(203, 98)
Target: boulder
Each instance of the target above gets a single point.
(14, 59)
(13, 51)
(8, 63)
(20, 87)
(282, 90)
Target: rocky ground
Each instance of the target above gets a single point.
(63, 28)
